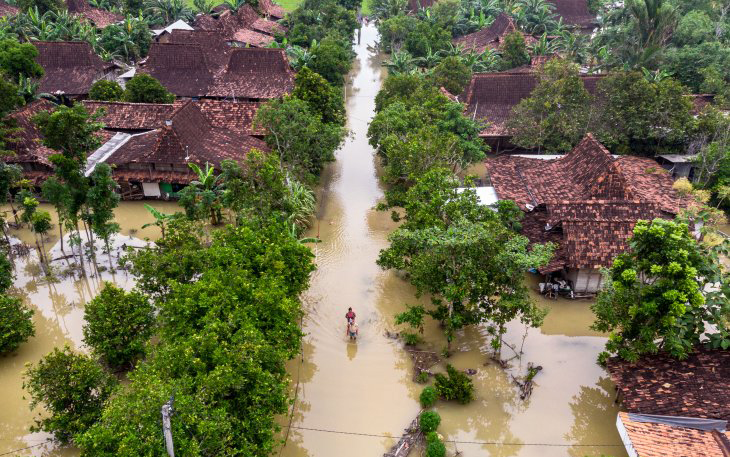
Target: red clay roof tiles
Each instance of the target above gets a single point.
(587, 200)
(489, 37)
(7, 9)
(71, 67)
(698, 386)
(254, 73)
(183, 69)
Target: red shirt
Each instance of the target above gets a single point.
(350, 315)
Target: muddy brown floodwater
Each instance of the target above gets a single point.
(351, 397)
(58, 319)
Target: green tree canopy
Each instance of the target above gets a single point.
(514, 51)
(555, 116)
(18, 60)
(452, 74)
(322, 98)
(655, 298)
(106, 91)
(332, 59)
(16, 323)
(143, 88)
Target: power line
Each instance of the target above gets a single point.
(25, 448)
(496, 443)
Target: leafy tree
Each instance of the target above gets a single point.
(460, 253)
(303, 142)
(143, 88)
(202, 197)
(429, 421)
(316, 19)
(694, 28)
(386, 9)
(514, 51)
(106, 91)
(555, 116)
(9, 100)
(130, 39)
(72, 388)
(6, 273)
(434, 446)
(452, 74)
(118, 325)
(71, 130)
(322, 98)
(16, 323)
(101, 200)
(332, 59)
(641, 116)
(428, 397)
(690, 64)
(60, 197)
(654, 300)
(18, 60)
(40, 225)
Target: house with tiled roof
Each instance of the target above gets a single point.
(254, 74)
(669, 436)
(243, 26)
(70, 67)
(126, 117)
(575, 13)
(7, 9)
(586, 203)
(184, 69)
(28, 150)
(490, 97)
(674, 407)
(271, 10)
(212, 42)
(490, 37)
(155, 163)
(97, 16)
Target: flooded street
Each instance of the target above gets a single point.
(350, 398)
(58, 320)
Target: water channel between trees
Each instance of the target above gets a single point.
(351, 399)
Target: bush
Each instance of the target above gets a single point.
(16, 324)
(456, 386)
(6, 272)
(118, 324)
(143, 88)
(72, 388)
(428, 397)
(106, 91)
(429, 421)
(422, 377)
(434, 446)
(411, 339)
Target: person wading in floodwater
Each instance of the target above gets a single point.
(352, 329)
(350, 315)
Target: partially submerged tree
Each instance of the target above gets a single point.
(202, 197)
(656, 295)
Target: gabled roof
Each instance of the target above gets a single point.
(698, 386)
(28, 146)
(213, 43)
(574, 12)
(100, 17)
(183, 69)
(587, 200)
(225, 114)
(229, 23)
(71, 67)
(491, 97)
(189, 137)
(7, 9)
(254, 73)
(252, 38)
(177, 25)
(489, 37)
(272, 10)
(649, 438)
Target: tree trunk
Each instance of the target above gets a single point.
(5, 233)
(60, 232)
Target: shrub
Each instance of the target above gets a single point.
(434, 447)
(428, 397)
(106, 91)
(429, 421)
(456, 386)
(422, 377)
(72, 388)
(16, 324)
(118, 324)
(411, 339)
(143, 88)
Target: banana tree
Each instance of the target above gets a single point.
(161, 219)
(202, 197)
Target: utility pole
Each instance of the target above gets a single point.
(167, 412)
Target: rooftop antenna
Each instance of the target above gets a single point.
(187, 153)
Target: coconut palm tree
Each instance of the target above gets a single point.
(535, 16)
(653, 21)
(168, 11)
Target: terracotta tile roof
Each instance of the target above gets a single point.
(661, 440)
(492, 96)
(212, 41)
(587, 200)
(235, 116)
(100, 17)
(183, 69)
(190, 137)
(251, 38)
(270, 9)
(7, 9)
(698, 386)
(254, 73)
(415, 5)
(489, 37)
(28, 147)
(132, 116)
(71, 67)
(229, 23)
(574, 12)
